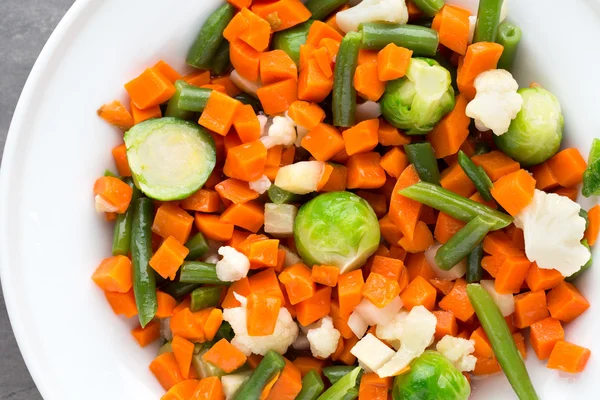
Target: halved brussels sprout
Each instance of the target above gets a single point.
(418, 101)
(535, 134)
(431, 377)
(337, 228)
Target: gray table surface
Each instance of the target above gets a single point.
(25, 25)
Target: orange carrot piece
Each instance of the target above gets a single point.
(167, 71)
(367, 57)
(421, 241)
(165, 369)
(591, 233)
(225, 356)
(544, 177)
(325, 275)
(246, 162)
(367, 83)
(332, 20)
(530, 307)
(266, 282)
(377, 201)
(241, 287)
(512, 274)
(257, 32)
(446, 324)
(362, 137)
(277, 66)
(207, 201)
(380, 290)
(452, 131)
(236, 191)
(114, 192)
(517, 236)
(446, 227)
(514, 191)
(458, 302)
(392, 62)
(288, 385)
(313, 84)
(213, 228)
(149, 334)
(298, 283)
(454, 179)
(198, 79)
(337, 180)
(219, 113)
(277, 97)
(453, 28)
(246, 124)
(209, 389)
(267, 389)
(388, 267)
(542, 279)
(492, 264)
(568, 167)
(182, 391)
(305, 114)
(169, 257)
(389, 230)
(186, 324)
(324, 61)
(394, 162)
(282, 14)
(120, 155)
(181, 306)
(116, 114)
(183, 350)
(249, 216)
(443, 287)
(570, 192)
(419, 292)
(566, 303)
(114, 274)
(496, 164)
(568, 357)
(479, 57)
(213, 323)
(390, 136)
(230, 88)
(323, 142)
(364, 171)
(347, 357)
(244, 59)
(319, 31)
(340, 320)
(499, 243)
(149, 89)
(307, 364)
(372, 387)
(417, 265)
(166, 305)
(544, 335)
(313, 309)
(240, 3)
(325, 176)
(350, 287)
(264, 253)
(171, 220)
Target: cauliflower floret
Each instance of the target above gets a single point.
(301, 177)
(497, 102)
(417, 333)
(374, 315)
(391, 331)
(505, 302)
(372, 352)
(261, 185)
(372, 11)
(300, 132)
(367, 110)
(286, 332)
(324, 339)
(282, 131)
(357, 324)
(458, 350)
(553, 231)
(245, 85)
(233, 266)
(264, 123)
(279, 219)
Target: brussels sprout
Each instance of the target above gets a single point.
(337, 228)
(418, 101)
(431, 377)
(535, 135)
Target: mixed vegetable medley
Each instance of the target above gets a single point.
(344, 201)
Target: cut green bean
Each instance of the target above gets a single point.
(192, 98)
(221, 61)
(271, 364)
(421, 40)
(108, 172)
(474, 269)
(477, 175)
(344, 94)
(205, 297)
(210, 37)
(198, 246)
(503, 344)
(165, 348)
(351, 394)
(585, 267)
(482, 148)
(421, 155)
(144, 282)
(245, 98)
(278, 195)
(429, 7)
(509, 36)
(178, 289)
(199, 272)
(462, 243)
(337, 372)
(321, 9)
(312, 386)
(488, 19)
(340, 389)
(291, 39)
(122, 231)
(225, 332)
(173, 109)
(454, 205)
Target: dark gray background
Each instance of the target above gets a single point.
(25, 25)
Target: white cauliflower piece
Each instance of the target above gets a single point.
(497, 102)
(454, 273)
(324, 339)
(357, 324)
(458, 350)
(233, 382)
(279, 219)
(300, 132)
(261, 185)
(505, 302)
(367, 110)
(264, 123)
(372, 352)
(372, 11)
(286, 332)
(282, 131)
(392, 331)
(417, 333)
(233, 266)
(301, 177)
(553, 231)
(374, 315)
(103, 205)
(245, 85)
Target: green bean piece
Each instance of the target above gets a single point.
(591, 176)
(221, 61)
(165, 348)
(462, 243)
(482, 148)
(225, 332)
(192, 98)
(488, 19)
(337, 372)
(421, 155)
(203, 368)
(340, 389)
(271, 364)
(144, 283)
(108, 172)
(178, 289)
(503, 344)
(509, 36)
(199, 272)
(173, 109)
(245, 98)
(474, 268)
(585, 267)
(429, 7)
(291, 39)
(321, 9)
(312, 386)
(477, 175)
(351, 394)
(454, 205)
(278, 195)
(210, 37)
(197, 245)
(421, 40)
(205, 297)
(122, 231)
(344, 94)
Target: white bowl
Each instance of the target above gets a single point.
(51, 239)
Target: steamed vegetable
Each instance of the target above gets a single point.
(344, 94)
(417, 102)
(488, 19)
(591, 176)
(122, 232)
(290, 40)
(509, 36)
(271, 364)
(423, 41)
(421, 155)
(337, 229)
(391, 11)
(210, 37)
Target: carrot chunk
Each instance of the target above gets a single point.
(419, 292)
(246, 162)
(566, 303)
(544, 177)
(277, 97)
(542, 279)
(446, 324)
(323, 142)
(544, 335)
(530, 307)
(452, 24)
(380, 290)
(496, 164)
(150, 89)
(183, 350)
(325, 275)
(315, 308)
(568, 357)
(514, 191)
(116, 114)
(165, 369)
(367, 83)
(591, 233)
(458, 302)
(479, 57)
(568, 167)
(392, 62)
(362, 137)
(288, 385)
(350, 287)
(364, 171)
(219, 113)
(148, 334)
(171, 220)
(114, 192)
(114, 274)
(168, 258)
(512, 274)
(250, 216)
(298, 283)
(122, 303)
